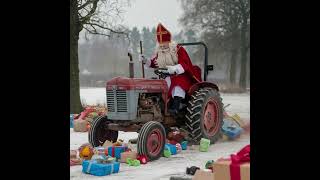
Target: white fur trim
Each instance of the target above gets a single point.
(179, 69)
(147, 64)
(178, 91)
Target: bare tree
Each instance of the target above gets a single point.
(224, 23)
(98, 17)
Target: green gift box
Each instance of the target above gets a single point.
(204, 145)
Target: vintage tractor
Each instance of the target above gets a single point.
(140, 105)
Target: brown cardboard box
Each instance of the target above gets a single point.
(203, 175)
(125, 155)
(221, 170)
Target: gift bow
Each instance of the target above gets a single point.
(236, 160)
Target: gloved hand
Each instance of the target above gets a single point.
(172, 69)
(142, 58)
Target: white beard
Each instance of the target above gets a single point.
(167, 57)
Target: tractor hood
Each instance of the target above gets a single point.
(149, 85)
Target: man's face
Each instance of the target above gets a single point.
(164, 46)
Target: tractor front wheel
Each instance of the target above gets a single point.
(151, 140)
(99, 133)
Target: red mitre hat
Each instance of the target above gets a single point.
(163, 35)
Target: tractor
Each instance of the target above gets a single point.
(141, 105)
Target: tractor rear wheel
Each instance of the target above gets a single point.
(99, 133)
(204, 115)
(151, 140)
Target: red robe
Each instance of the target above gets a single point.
(186, 79)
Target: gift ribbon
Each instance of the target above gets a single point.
(89, 166)
(236, 160)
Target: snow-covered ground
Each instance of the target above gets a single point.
(176, 165)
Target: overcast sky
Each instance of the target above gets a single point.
(151, 12)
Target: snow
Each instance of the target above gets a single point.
(176, 165)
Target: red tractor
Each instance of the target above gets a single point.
(140, 105)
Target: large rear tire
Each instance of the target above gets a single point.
(98, 133)
(151, 140)
(204, 116)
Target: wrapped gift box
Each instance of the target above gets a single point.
(115, 151)
(222, 170)
(184, 145)
(100, 169)
(204, 145)
(231, 129)
(237, 167)
(204, 175)
(125, 155)
(172, 148)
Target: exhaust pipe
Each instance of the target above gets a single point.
(131, 70)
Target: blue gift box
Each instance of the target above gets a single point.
(99, 169)
(172, 148)
(184, 145)
(231, 129)
(115, 151)
(71, 120)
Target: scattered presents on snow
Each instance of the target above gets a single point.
(236, 118)
(84, 113)
(92, 115)
(73, 154)
(184, 145)
(75, 161)
(106, 160)
(91, 112)
(176, 136)
(192, 170)
(204, 174)
(100, 150)
(128, 154)
(142, 158)
(204, 145)
(118, 143)
(106, 144)
(209, 165)
(231, 129)
(178, 147)
(166, 153)
(97, 156)
(133, 162)
(86, 151)
(235, 167)
(172, 148)
(80, 125)
(115, 151)
(99, 169)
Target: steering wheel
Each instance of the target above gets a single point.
(161, 72)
